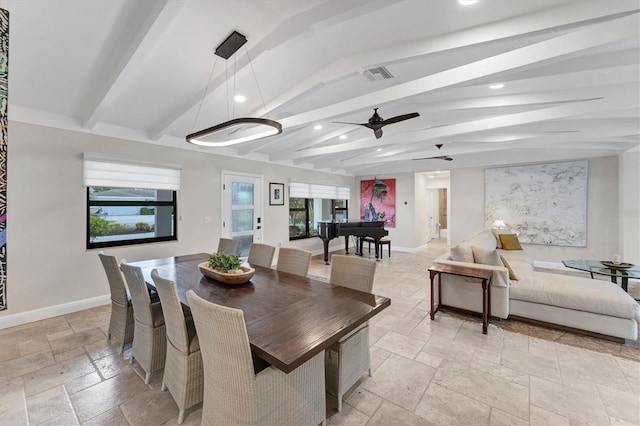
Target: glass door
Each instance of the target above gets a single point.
(242, 209)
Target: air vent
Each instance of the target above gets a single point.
(378, 73)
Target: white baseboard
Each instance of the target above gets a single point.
(53, 311)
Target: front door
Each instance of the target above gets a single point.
(242, 209)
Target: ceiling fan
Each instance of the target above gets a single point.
(376, 122)
(439, 157)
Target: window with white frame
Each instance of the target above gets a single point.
(129, 203)
(311, 203)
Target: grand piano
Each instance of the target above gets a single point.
(330, 230)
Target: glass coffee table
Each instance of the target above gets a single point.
(604, 267)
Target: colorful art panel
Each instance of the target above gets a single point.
(4, 120)
(378, 201)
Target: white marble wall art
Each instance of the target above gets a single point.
(545, 203)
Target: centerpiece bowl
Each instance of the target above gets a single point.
(611, 265)
(227, 277)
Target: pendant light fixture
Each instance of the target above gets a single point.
(235, 130)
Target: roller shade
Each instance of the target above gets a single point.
(113, 172)
(314, 190)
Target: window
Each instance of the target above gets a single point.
(123, 216)
(129, 203)
(310, 203)
(305, 213)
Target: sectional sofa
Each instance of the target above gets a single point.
(583, 304)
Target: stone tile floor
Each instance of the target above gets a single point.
(64, 371)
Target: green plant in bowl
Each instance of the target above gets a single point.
(224, 262)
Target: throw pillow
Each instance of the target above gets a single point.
(486, 256)
(510, 242)
(512, 275)
(498, 232)
(462, 253)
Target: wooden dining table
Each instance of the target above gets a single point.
(289, 318)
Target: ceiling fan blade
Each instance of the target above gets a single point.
(441, 157)
(356, 124)
(378, 133)
(400, 118)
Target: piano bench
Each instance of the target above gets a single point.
(383, 241)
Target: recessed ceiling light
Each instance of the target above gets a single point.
(239, 98)
(343, 136)
(496, 86)
(467, 2)
(379, 149)
(317, 127)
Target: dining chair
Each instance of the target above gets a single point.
(229, 246)
(294, 261)
(121, 324)
(183, 373)
(234, 393)
(348, 358)
(149, 338)
(261, 255)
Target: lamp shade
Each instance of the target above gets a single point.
(498, 224)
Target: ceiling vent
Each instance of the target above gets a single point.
(378, 73)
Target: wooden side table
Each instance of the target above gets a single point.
(463, 271)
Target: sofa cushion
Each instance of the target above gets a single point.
(512, 275)
(485, 256)
(510, 242)
(581, 294)
(498, 232)
(517, 256)
(520, 261)
(484, 239)
(462, 253)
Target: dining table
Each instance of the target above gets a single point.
(289, 318)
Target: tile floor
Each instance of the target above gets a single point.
(63, 371)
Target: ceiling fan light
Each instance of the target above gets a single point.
(239, 98)
(235, 131)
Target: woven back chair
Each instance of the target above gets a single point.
(349, 358)
(229, 246)
(150, 338)
(294, 261)
(261, 255)
(121, 323)
(234, 393)
(183, 373)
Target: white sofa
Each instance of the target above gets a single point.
(596, 306)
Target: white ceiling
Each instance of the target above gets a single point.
(140, 69)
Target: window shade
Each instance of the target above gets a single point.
(313, 190)
(104, 171)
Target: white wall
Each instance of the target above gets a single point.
(48, 264)
(629, 211)
(467, 212)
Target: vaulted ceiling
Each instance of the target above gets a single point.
(144, 70)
